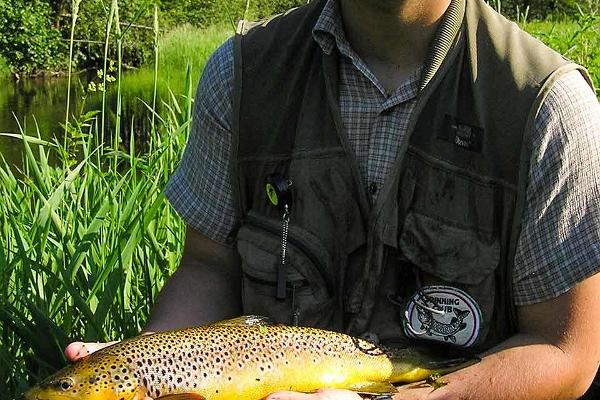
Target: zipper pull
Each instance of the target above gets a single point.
(282, 270)
(279, 194)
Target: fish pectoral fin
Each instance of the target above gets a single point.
(375, 388)
(182, 396)
(245, 320)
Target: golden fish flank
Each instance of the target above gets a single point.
(241, 358)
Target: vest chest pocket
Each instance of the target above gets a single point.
(309, 300)
(449, 232)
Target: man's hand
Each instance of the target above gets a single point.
(77, 350)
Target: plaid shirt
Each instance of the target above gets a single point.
(559, 244)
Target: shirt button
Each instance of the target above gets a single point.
(373, 188)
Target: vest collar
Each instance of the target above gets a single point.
(328, 33)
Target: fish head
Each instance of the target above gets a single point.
(93, 378)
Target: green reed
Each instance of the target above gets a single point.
(87, 238)
(85, 248)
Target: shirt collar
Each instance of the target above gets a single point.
(328, 31)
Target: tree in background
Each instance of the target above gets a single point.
(28, 41)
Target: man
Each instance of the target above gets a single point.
(431, 175)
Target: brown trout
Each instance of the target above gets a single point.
(243, 358)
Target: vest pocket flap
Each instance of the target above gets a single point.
(448, 252)
(259, 245)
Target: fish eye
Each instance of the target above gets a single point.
(64, 384)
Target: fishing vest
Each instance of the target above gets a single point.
(432, 258)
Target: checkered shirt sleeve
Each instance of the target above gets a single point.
(559, 244)
(200, 189)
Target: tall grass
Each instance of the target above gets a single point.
(577, 38)
(88, 239)
(86, 247)
(184, 45)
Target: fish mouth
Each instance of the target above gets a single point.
(37, 394)
(31, 394)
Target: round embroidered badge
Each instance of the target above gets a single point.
(443, 313)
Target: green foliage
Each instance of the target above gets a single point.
(209, 12)
(32, 31)
(86, 244)
(173, 15)
(265, 8)
(540, 9)
(4, 68)
(28, 41)
(135, 18)
(191, 45)
(86, 237)
(577, 39)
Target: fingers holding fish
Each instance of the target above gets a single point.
(77, 350)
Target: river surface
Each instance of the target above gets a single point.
(39, 105)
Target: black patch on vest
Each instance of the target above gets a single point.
(463, 135)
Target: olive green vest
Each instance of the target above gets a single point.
(449, 214)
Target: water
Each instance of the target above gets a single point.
(40, 104)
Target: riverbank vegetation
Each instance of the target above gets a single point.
(35, 34)
(86, 237)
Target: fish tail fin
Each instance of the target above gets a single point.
(418, 366)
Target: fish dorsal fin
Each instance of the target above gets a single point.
(375, 388)
(245, 320)
(182, 396)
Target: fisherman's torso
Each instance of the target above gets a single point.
(445, 222)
